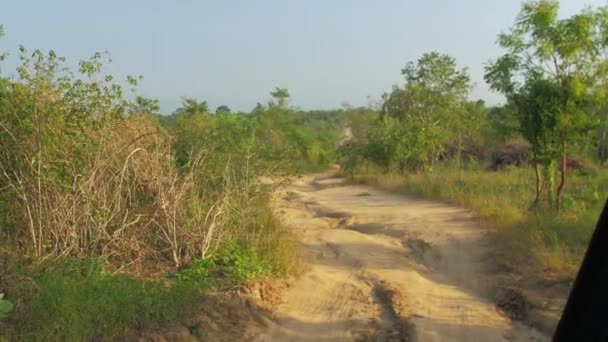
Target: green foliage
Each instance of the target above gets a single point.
(352, 157)
(85, 172)
(200, 271)
(409, 147)
(538, 103)
(51, 122)
(265, 250)
(146, 106)
(502, 122)
(276, 135)
(5, 308)
(552, 73)
(239, 263)
(245, 263)
(380, 148)
(419, 120)
(281, 97)
(2, 55)
(438, 75)
(358, 120)
(79, 300)
(223, 109)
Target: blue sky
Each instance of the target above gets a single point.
(235, 52)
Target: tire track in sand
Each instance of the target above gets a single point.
(384, 267)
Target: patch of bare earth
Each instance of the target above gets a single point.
(225, 316)
(385, 267)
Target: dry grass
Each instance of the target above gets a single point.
(127, 203)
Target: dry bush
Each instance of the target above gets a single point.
(127, 203)
(82, 175)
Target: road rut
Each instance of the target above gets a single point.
(385, 267)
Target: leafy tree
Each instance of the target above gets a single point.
(380, 148)
(359, 120)
(439, 75)
(2, 55)
(223, 109)
(475, 121)
(146, 106)
(430, 108)
(280, 96)
(55, 126)
(550, 72)
(503, 122)
(5, 307)
(192, 127)
(192, 107)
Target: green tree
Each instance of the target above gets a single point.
(191, 128)
(192, 107)
(2, 55)
(503, 122)
(551, 72)
(281, 96)
(223, 109)
(146, 106)
(430, 108)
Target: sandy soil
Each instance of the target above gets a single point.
(385, 267)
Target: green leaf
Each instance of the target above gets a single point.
(5, 306)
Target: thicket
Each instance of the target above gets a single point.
(115, 218)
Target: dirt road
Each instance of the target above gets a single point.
(385, 267)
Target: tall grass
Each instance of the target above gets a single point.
(503, 199)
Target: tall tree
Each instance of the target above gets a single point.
(2, 55)
(192, 107)
(280, 96)
(551, 72)
(223, 109)
(192, 129)
(430, 108)
(145, 105)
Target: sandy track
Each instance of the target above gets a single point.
(385, 267)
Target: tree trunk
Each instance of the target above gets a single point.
(538, 182)
(562, 182)
(602, 148)
(459, 152)
(549, 179)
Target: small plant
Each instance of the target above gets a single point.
(245, 263)
(5, 307)
(199, 271)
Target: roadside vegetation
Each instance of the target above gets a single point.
(115, 219)
(533, 167)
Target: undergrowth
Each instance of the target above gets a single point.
(80, 299)
(112, 223)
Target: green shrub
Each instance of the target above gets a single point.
(79, 300)
(5, 308)
(235, 264)
(245, 263)
(200, 271)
